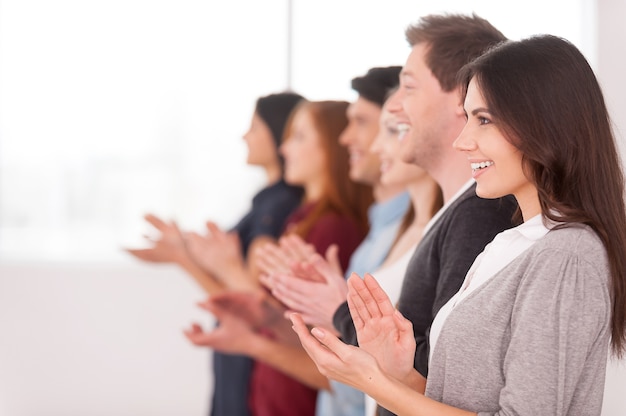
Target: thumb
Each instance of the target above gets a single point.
(332, 257)
(331, 342)
(211, 307)
(233, 237)
(404, 325)
(212, 227)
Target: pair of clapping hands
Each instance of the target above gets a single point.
(300, 279)
(312, 289)
(216, 252)
(309, 286)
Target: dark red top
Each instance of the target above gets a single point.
(273, 393)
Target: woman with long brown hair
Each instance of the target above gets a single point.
(529, 331)
(285, 381)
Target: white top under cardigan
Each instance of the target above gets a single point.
(533, 339)
(505, 247)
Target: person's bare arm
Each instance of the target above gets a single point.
(353, 366)
(219, 255)
(314, 288)
(169, 247)
(236, 336)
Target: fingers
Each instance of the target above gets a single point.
(227, 301)
(289, 250)
(249, 307)
(212, 228)
(299, 247)
(194, 238)
(142, 254)
(316, 339)
(309, 320)
(150, 238)
(216, 310)
(273, 259)
(204, 305)
(332, 252)
(288, 284)
(306, 271)
(197, 336)
(295, 293)
(263, 263)
(362, 305)
(175, 229)
(233, 237)
(295, 248)
(267, 280)
(332, 257)
(292, 298)
(195, 244)
(405, 327)
(380, 297)
(301, 329)
(326, 269)
(311, 344)
(155, 221)
(217, 236)
(195, 329)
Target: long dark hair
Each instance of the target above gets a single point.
(551, 107)
(275, 110)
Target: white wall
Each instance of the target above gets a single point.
(99, 339)
(611, 69)
(611, 50)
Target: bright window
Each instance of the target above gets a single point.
(111, 109)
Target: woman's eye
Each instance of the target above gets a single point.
(483, 120)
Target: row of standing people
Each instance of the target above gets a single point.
(519, 325)
(322, 179)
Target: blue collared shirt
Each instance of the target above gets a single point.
(385, 218)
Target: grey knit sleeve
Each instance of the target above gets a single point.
(534, 339)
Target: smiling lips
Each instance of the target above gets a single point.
(403, 129)
(385, 165)
(480, 165)
(355, 155)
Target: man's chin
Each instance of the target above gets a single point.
(363, 178)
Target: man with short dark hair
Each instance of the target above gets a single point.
(385, 215)
(429, 95)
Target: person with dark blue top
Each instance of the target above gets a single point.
(265, 221)
(270, 207)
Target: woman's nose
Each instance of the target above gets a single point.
(464, 141)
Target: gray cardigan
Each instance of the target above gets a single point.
(532, 340)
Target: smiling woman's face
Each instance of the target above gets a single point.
(496, 164)
(261, 148)
(387, 145)
(305, 160)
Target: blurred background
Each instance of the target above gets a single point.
(112, 109)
